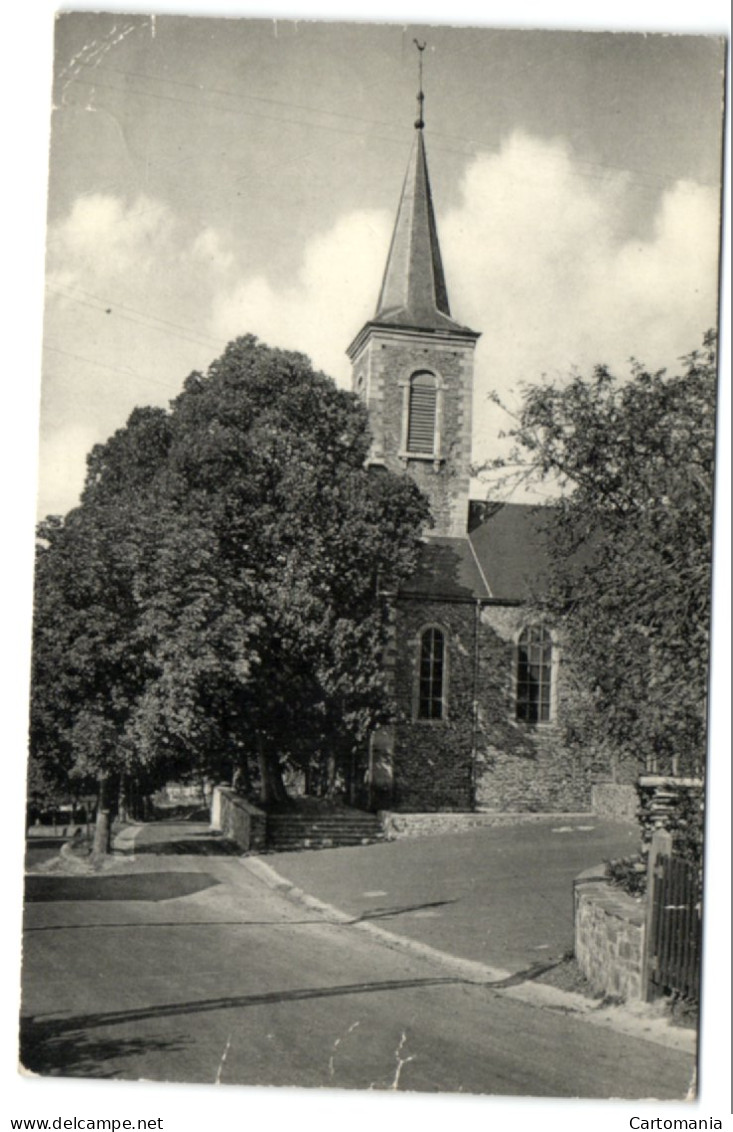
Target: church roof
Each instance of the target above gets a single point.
(512, 542)
(414, 292)
(446, 569)
(505, 557)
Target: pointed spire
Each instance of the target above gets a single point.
(413, 289)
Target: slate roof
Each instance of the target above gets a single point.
(414, 293)
(511, 541)
(447, 568)
(505, 556)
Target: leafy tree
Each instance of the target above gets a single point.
(214, 600)
(632, 465)
(89, 662)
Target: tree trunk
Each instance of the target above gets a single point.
(272, 788)
(330, 774)
(134, 798)
(122, 798)
(351, 779)
(241, 778)
(103, 827)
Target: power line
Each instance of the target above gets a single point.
(229, 109)
(245, 96)
(644, 178)
(106, 365)
(472, 143)
(144, 319)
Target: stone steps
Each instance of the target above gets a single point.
(367, 826)
(325, 831)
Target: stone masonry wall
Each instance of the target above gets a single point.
(615, 800)
(432, 763)
(401, 825)
(483, 759)
(609, 936)
(380, 373)
(520, 766)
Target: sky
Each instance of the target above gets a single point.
(246, 178)
(210, 178)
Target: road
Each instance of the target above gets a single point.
(501, 896)
(182, 966)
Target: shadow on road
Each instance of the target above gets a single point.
(40, 888)
(37, 1036)
(61, 1042)
(397, 910)
(312, 921)
(191, 845)
(48, 1050)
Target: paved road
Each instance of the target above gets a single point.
(182, 966)
(502, 896)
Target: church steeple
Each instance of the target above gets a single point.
(413, 292)
(413, 289)
(413, 363)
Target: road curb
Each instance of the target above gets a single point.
(623, 1018)
(464, 968)
(124, 841)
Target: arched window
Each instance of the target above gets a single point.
(534, 675)
(421, 414)
(431, 677)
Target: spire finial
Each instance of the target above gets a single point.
(419, 123)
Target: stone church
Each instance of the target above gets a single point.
(477, 678)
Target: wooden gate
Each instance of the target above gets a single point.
(674, 926)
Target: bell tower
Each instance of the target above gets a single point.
(413, 363)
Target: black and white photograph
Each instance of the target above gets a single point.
(365, 693)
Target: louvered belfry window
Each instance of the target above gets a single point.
(421, 414)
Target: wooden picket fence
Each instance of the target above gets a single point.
(674, 925)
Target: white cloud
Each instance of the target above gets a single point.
(103, 238)
(126, 283)
(62, 465)
(537, 261)
(537, 258)
(208, 248)
(333, 291)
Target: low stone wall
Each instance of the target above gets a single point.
(238, 820)
(614, 800)
(398, 825)
(609, 936)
